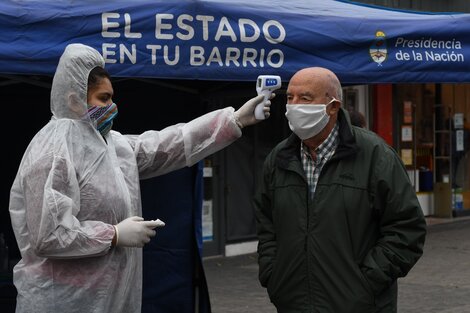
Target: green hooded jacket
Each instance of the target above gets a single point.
(343, 250)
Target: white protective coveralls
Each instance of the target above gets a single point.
(72, 187)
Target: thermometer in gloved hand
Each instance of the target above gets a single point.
(265, 85)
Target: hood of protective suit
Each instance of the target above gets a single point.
(70, 83)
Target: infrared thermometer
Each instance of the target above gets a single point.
(265, 85)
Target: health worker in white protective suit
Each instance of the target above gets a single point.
(75, 203)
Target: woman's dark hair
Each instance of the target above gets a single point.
(96, 75)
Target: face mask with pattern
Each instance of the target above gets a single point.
(102, 117)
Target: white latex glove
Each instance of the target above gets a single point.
(245, 116)
(135, 232)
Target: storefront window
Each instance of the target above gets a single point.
(432, 137)
(458, 97)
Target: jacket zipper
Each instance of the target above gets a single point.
(309, 283)
(308, 220)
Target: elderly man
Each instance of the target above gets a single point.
(338, 221)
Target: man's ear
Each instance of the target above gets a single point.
(334, 107)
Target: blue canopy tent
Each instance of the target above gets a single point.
(218, 40)
(227, 41)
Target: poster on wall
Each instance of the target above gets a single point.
(459, 145)
(207, 222)
(406, 133)
(407, 156)
(407, 112)
(458, 120)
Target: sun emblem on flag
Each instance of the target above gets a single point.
(378, 49)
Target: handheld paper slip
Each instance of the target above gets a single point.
(158, 223)
(265, 85)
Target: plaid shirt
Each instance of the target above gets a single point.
(324, 152)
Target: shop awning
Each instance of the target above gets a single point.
(238, 40)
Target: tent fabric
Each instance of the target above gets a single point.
(172, 266)
(217, 40)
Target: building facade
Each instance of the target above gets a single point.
(428, 125)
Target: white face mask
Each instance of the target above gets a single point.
(307, 120)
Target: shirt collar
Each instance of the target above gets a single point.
(329, 144)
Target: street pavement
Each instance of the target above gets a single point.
(439, 282)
